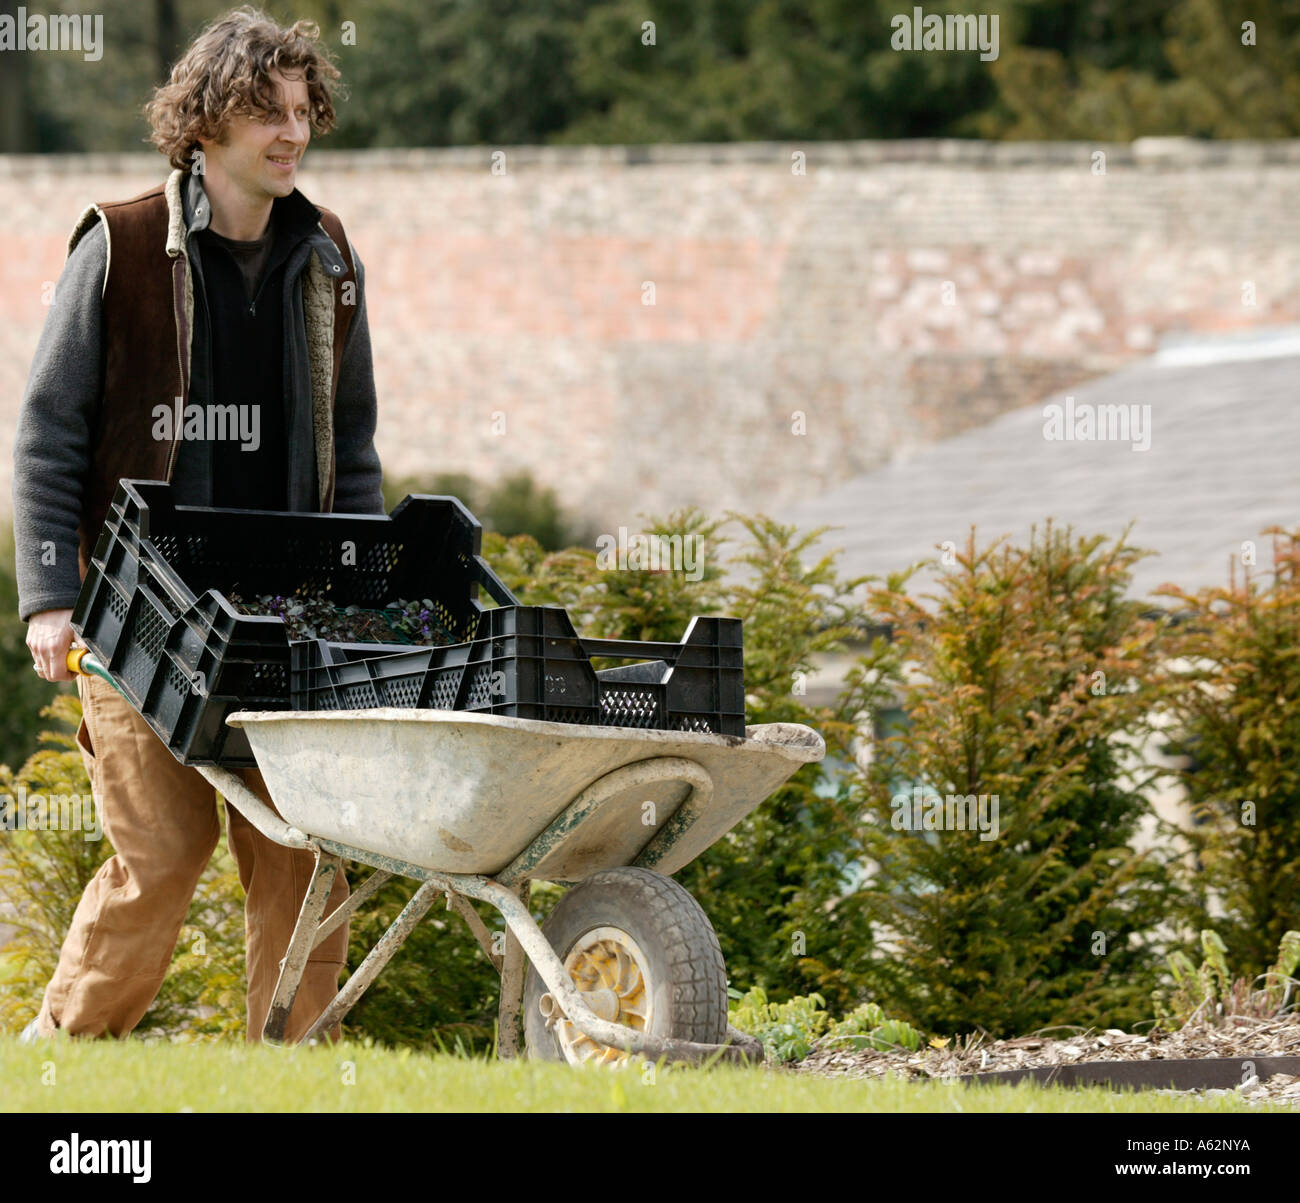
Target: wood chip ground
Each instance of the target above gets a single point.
(1239, 1038)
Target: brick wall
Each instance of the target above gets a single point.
(894, 293)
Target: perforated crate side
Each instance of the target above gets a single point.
(706, 683)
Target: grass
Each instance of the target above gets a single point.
(71, 1075)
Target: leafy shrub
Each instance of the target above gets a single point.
(780, 886)
(1210, 994)
(24, 693)
(43, 874)
(789, 1031)
(867, 1026)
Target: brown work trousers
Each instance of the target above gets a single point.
(161, 818)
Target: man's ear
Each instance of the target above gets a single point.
(202, 148)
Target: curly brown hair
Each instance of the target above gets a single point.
(227, 73)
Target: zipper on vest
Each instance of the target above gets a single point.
(261, 284)
(183, 334)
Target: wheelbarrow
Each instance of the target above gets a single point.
(478, 806)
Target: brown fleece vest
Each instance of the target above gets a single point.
(145, 334)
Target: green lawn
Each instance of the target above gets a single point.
(139, 1076)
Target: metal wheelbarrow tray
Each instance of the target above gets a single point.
(478, 806)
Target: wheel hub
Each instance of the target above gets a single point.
(608, 969)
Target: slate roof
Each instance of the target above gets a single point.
(1223, 463)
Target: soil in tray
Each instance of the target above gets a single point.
(315, 616)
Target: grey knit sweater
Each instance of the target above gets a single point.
(56, 425)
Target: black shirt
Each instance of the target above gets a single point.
(250, 257)
(243, 289)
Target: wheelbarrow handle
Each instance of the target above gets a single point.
(82, 662)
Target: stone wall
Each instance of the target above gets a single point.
(892, 293)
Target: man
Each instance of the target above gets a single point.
(224, 287)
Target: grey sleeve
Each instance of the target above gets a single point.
(358, 476)
(52, 443)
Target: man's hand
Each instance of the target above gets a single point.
(49, 635)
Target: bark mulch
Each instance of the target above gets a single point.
(1239, 1037)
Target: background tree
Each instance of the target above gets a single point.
(509, 72)
(1233, 693)
(513, 505)
(1080, 69)
(1023, 676)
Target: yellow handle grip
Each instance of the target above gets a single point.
(75, 656)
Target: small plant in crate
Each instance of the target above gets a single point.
(315, 616)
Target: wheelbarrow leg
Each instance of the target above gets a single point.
(513, 967)
(301, 944)
(379, 956)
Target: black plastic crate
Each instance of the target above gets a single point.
(153, 605)
(529, 662)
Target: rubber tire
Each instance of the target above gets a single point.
(685, 970)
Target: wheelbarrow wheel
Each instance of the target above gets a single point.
(646, 956)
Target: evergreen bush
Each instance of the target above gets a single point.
(1025, 677)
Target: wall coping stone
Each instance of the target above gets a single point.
(1145, 153)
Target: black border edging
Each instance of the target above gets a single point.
(1198, 1073)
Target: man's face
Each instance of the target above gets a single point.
(261, 158)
